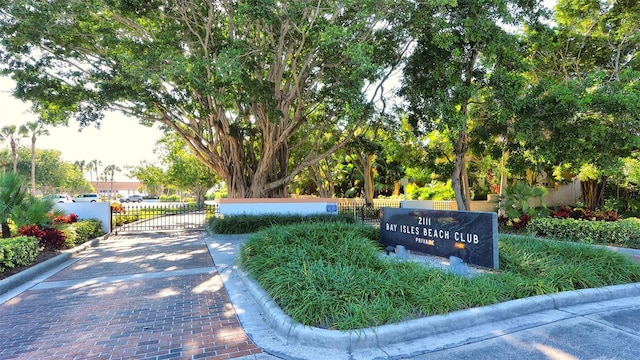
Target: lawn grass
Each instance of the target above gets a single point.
(330, 275)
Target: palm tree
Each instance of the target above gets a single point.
(12, 193)
(33, 129)
(82, 166)
(93, 164)
(90, 170)
(3, 159)
(9, 132)
(109, 172)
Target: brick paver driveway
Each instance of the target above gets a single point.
(142, 296)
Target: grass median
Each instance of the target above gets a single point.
(331, 275)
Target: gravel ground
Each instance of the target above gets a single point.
(437, 262)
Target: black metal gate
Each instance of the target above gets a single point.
(146, 216)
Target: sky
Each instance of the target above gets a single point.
(119, 141)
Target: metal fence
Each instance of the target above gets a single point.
(372, 213)
(160, 216)
(367, 213)
(148, 216)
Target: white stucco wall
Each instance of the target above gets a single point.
(100, 211)
(277, 206)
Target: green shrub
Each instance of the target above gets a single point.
(435, 190)
(17, 251)
(170, 198)
(70, 234)
(87, 229)
(555, 266)
(517, 200)
(220, 194)
(619, 233)
(245, 224)
(125, 219)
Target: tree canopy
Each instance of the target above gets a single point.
(465, 57)
(245, 84)
(580, 112)
(184, 171)
(265, 92)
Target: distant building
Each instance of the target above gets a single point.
(119, 187)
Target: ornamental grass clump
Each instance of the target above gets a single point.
(335, 276)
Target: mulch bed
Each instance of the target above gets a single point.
(42, 256)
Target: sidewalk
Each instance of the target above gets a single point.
(160, 296)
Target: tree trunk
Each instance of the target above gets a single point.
(459, 180)
(33, 165)
(200, 192)
(111, 187)
(97, 177)
(369, 182)
(396, 188)
(593, 192)
(365, 168)
(6, 232)
(14, 153)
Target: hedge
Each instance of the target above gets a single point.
(624, 233)
(17, 251)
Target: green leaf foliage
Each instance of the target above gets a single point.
(87, 229)
(333, 275)
(615, 233)
(12, 193)
(466, 69)
(582, 103)
(17, 251)
(237, 81)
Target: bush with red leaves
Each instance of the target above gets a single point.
(566, 212)
(48, 238)
(562, 213)
(31, 230)
(507, 224)
(522, 223)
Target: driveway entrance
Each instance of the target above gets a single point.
(160, 216)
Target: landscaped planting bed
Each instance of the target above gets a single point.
(330, 275)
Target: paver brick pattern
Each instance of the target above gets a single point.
(184, 316)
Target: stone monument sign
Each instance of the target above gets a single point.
(470, 236)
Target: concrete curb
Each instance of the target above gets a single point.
(411, 330)
(22, 277)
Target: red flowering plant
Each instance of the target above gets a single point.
(63, 219)
(117, 208)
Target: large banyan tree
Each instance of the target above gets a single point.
(258, 89)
